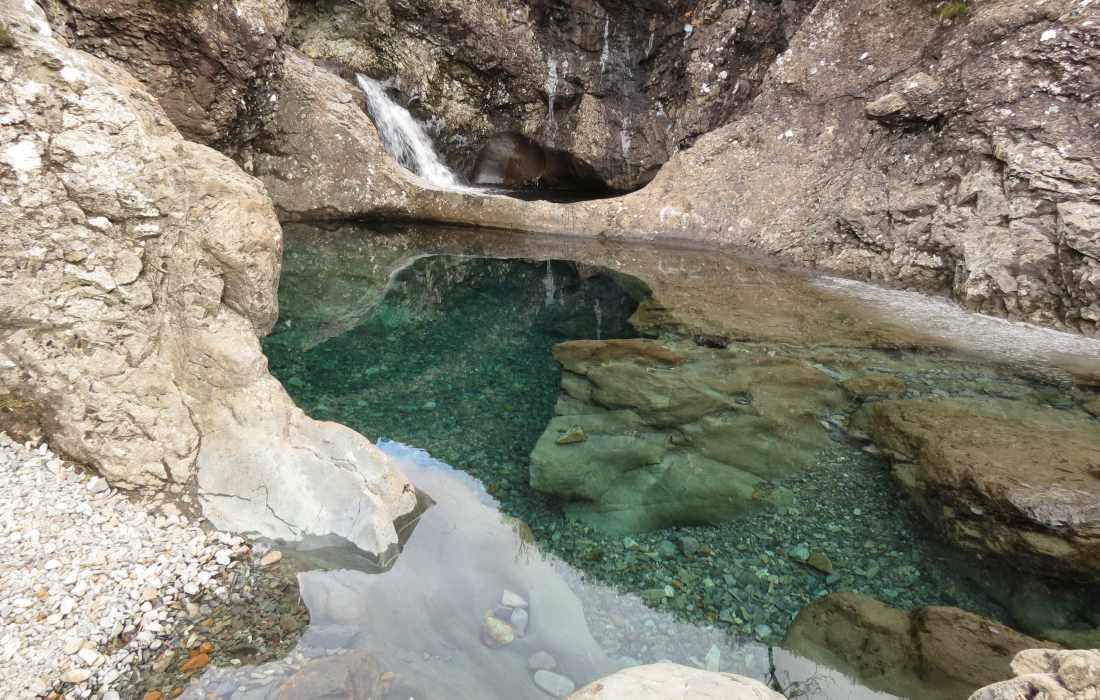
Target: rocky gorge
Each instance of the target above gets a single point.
(684, 449)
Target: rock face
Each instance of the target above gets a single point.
(999, 476)
(950, 158)
(211, 65)
(621, 85)
(651, 434)
(934, 653)
(953, 158)
(667, 681)
(1052, 675)
(136, 272)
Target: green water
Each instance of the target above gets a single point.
(452, 354)
(456, 359)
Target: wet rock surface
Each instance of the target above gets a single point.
(934, 652)
(619, 85)
(1000, 476)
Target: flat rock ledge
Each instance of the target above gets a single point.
(84, 567)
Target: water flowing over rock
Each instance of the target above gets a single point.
(905, 160)
(933, 653)
(403, 137)
(582, 76)
(137, 271)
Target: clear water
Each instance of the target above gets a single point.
(442, 340)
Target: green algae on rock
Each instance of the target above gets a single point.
(676, 433)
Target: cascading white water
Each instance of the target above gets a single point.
(606, 53)
(599, 319)
(404, 138)
(551, 92)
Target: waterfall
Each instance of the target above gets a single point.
(550, 284)
(599, 319)
(404, 138)
(606, 53)
(551, 92)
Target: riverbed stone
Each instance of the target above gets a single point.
(934, 653)
(1045, 673)
(999, 476)
(667, 680)
(554, 684)
(678, 433)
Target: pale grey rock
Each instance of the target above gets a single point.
(210, 65)
(133, 377)
(520, 620)
(554, 684)
(512, 600)
(667, 680)
(1049, 674)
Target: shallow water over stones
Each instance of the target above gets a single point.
(743, 375)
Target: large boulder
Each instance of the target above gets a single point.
(668, 681)
(933, 653)
(999, 476)
(1050, 675)
(137, 271)
(210, 64)
(651, 434)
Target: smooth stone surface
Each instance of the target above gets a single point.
(934, 653)
(554, 684)
(668, 681)
(998, 476)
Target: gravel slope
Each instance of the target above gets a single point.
(93, 581)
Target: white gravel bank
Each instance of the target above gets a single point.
(91, 580)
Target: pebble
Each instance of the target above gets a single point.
(496, 633)
(82, 566)
(272, 557)
(76, 675)
(542, 661)
(519, 621)
(512, 600)
(554, 684)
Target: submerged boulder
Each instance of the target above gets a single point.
(137, 271)
(933, 653)
(999, 476)
(664, 681)
(676, 433)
